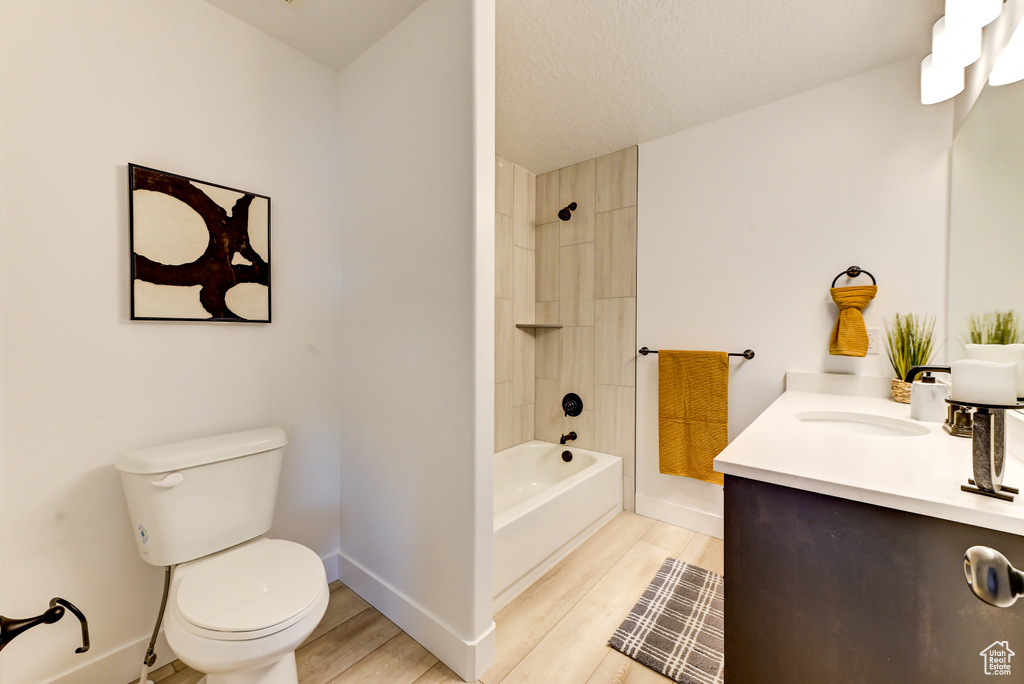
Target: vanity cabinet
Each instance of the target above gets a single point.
(825, 589)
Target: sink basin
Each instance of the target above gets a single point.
(864, 423)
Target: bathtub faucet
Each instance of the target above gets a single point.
(567, 438)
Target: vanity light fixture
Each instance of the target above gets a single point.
(956, 44)
(975, 13)
(940, 82)
(1009, 67)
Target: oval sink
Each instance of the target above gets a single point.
(864, 423)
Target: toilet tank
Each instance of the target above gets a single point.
(194, 498)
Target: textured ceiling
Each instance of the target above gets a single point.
(580, 78)
(334, 32)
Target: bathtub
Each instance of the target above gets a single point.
(545, 507)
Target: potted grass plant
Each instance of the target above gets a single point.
(995, 327)
(909, 343)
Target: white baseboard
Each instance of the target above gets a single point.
(332, 565)
(119, 666)
(468, 659)
(704, 522)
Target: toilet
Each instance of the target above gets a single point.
(239, 603)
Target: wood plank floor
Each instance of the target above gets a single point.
(555, 631)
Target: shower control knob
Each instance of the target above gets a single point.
(572, 404)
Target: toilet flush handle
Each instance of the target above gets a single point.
(169, 480)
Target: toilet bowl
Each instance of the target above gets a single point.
(239, 615)
(239, 604)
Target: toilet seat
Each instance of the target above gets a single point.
(250, 591)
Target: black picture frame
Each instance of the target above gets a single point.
(200, 251)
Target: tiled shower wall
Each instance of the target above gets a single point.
(580, 274)
(586, 281)
(514, 302)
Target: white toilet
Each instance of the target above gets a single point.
(239, 603)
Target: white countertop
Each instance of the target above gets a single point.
(920, 474)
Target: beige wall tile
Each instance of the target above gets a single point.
(576, 230)
(582, 425)
(615, 265)
(523, 346)
(576, 363)
(547, 262)
(524, 212)
(503, 260)
(577, 184)
(547, 313)
(547, 198)
(616, 180)
(614, 421)
(503, 416)
(547, 351)
(502, 186)
(504, 327)
(524, 284)
(614, 345)
(628, 494)
(576, 284)
(546, 411)
(522, 423)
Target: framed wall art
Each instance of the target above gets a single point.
(199, 251)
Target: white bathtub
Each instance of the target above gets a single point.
(545, 507)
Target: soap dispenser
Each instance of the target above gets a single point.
(928, 397)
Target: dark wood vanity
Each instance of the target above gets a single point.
(825, 589)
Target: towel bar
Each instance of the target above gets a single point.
(748, 354)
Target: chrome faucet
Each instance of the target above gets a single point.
(567, 438)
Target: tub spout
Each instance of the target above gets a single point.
(567, 438)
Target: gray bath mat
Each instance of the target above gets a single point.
(676, 628)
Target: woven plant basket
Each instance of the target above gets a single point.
(901, 391)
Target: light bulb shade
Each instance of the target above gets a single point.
(1009, 67)
(940, 81)
(975, 13)
(957, 45)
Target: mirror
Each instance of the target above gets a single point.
(986, 215)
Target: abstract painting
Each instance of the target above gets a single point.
(199, 251)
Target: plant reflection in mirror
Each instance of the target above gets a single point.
(995, 327)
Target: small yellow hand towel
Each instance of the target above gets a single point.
(693, 412)
(849, 335)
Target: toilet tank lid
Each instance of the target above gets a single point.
(196, 452)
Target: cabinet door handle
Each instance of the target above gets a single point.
(991, 577)
(169, 480)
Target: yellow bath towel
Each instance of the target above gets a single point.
(693, 412)
(849, 335)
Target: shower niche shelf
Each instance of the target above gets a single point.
(533, 326)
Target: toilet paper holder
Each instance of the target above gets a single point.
(12, 627)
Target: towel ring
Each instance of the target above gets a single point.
(853, 272)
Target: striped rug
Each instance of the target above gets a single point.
(676, 628)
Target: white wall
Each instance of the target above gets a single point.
(418, 329)
(743, 224)
(180, 86)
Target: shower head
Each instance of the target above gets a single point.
(566, 213)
